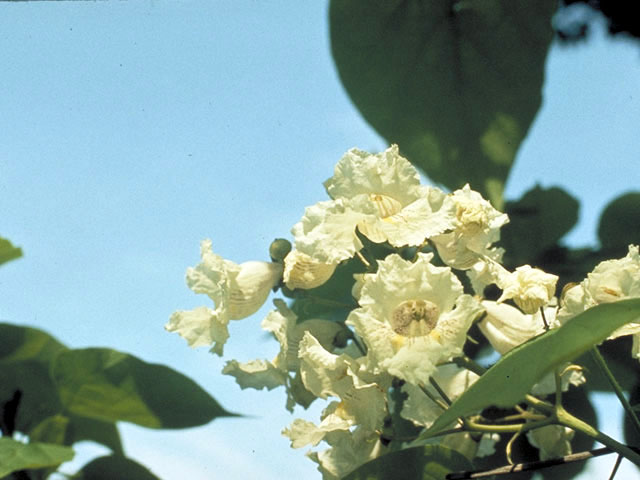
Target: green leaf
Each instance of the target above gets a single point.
(537, 222)
(619, 226)
(105, 433)
(455, 84)
(511, 378)
(112, 386)
(21, 344)
(50, 430)
(8, 251)
(25, 385)
(20, 456)
(114, 466)
(432, 462)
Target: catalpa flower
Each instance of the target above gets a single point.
(418, 408)
(236, 290)
(530, 288)
(380, 195)
(552, 441)
(610, 281)
(476, 227)
(362, 401)
(412, 316)
(349, 450)
(284, 326)
(506, 327)
(301, 271)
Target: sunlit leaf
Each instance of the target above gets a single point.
(114, 466)
(511, 378)
(108, 385)
(456, 84)
(16, 455)
(432, 462)
(8, 251)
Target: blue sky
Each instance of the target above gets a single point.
(129, 131)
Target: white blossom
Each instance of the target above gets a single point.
(381, 196)
(530, 288)
(301, 271)
(476, 227)
(610, 281)
(236, 290)
(412, 316)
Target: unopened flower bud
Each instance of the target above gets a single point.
(279, 249)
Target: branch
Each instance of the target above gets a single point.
(522, 467)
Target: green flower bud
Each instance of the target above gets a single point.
(279, 249)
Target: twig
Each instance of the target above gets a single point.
(615, 467)
(523, 467)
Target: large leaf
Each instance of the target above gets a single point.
(8, 251)
(16, 455)
(455, 84)
(511, 378)
(26, 390)
(27, 344)
(432, 462)
(105, 433)
(619, 225)
(114, 466)
(537, 222)
(108, 385)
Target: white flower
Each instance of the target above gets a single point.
(553, 441)
(380, 195)
(236, 290)
(256, 374)
(476, 227)
(284, 326)
(530, 288)
(507, 327)
(610, 281)
(362, 402)
(301, 271)
(407, 317)
(420, 409)
(348, 451)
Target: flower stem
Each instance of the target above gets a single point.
(568, 420)
(602, 364)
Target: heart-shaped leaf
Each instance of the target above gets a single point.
(456, 84)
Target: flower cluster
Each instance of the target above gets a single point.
(408, 250)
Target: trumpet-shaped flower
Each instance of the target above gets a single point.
(610, 281)
(380, 195)
(236, 290)
(507, 327)
(284, 326)
(530, 288)
(412, 317)
(476, 227)
(301, 271)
